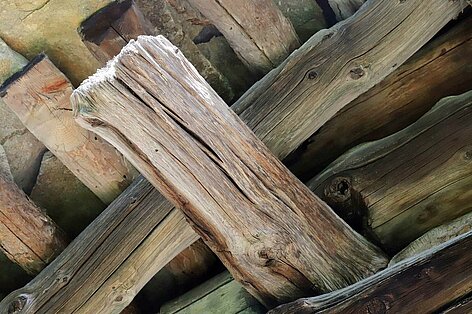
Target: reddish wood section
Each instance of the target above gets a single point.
(425, 283)
(268, 229)
(28, 236)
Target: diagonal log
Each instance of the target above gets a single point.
(28, 236)
(265, 226)
(424, 283)
(39, 96)
(104, 297)
(258, 32)
(405, 184)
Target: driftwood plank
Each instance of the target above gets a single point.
(153, 106)
(422, 284)
(441, 68)
(405, 184)
(39, 96)
(258, 32)
(28, 236)
(336, 66)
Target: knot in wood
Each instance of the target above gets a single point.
(357, 72)
(312, 74)
(375, 306)
(17, 305)
(338, 190)
(468, 155)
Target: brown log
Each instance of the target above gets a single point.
(258, 32)
(337, 65)
(405, 184)
(39, 96)
(28, 236)
(108, 30)
(422, 284)
(459, 307)
(267, 228)
(441, 68)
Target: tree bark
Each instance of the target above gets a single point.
(423, 284)
(258, 32)
(254, 214)
(401, 186)
(336, 66)
(441, 68)
(28, 237)
(39, 96)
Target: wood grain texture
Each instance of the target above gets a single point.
(422, 284)
(107, 264)
(435, 237)
(220, 294)
(39, 96)
(267, 228)
(403, 185)
(28, 236)
(461, 306)
(258, 32)
(336, 66)
(441, 68)
(345, 8)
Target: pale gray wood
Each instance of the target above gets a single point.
(345, 8)
(160, 113)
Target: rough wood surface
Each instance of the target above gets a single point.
(153, 106)
(461, 306)
(220, 294)
(257, 30)
(345, 8)
(108, 30)
(422, 284)
(405, 184)
(107, 264)
(39, 96)
(441, 68)
(434, 237)
(28, 236)
(337, 65)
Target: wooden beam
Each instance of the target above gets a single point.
(435, 237)
(437, 70)
(405, 184)
(258, 32)
(153, 106)
(345, 8)
(39, 96)
(337, 65)
(28, 236)
(422, 284)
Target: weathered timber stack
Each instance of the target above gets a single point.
(401, 186)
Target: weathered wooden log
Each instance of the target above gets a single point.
(345, 8)
(258, 32)
(108, 30)
(39, 96)
(435, 237)
(336, 66)
(22, 149)
(441, 68)
(153, 106)
(459, 307)
(403, 185)
(422, 284)
(28, 236)
(220, 294)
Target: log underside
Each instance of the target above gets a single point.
(106, 277)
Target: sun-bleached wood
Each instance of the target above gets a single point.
(434, 237)
(257, 30)
(106, 265)
(440, 68)
(39, 96)
(403, 185)
(265, 226)
(337, 65)
(345, 8)
(28, 236)
(422, 284)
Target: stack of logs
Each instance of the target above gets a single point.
(383, 226)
